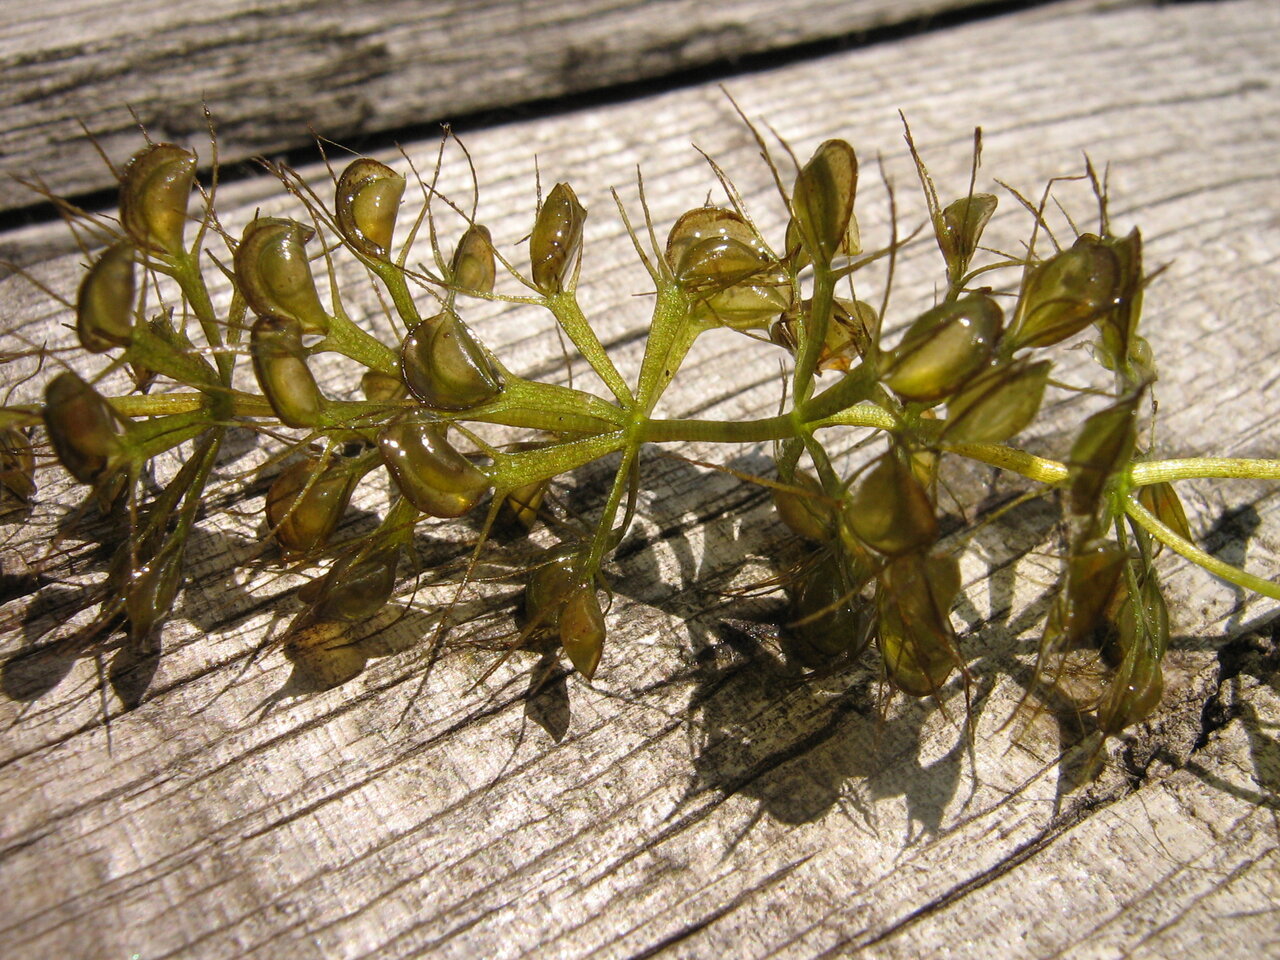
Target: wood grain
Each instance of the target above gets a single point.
(697, 800)
(271, 72)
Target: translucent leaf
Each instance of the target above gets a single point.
(998, 403)
(431, 474)
(474, 267)
(917, 642)
(305, 504)
(87, 434)
(943, 348)
(280, 363)
(889, 510)
(154, 195)
(274, 275)
(1104, 446)
(367, 202)
(105, 302)
(1066, 293)
(556, 241)
(582, 629)
(962, 224)
(446, 367)
(830, 621)
(822, 200)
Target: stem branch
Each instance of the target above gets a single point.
(1189, 468)
(1219, 568)
(570, 317)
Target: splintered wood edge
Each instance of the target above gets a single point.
(271, 74)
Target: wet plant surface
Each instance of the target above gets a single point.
(206, 400)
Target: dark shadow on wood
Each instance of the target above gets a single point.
(1249, 661)
(547, 699)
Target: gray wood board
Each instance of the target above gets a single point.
(696, 800)
(268, 71)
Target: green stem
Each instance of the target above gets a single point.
(814, 333)
(860, 415)
(358, 415)
(832, 485)
(147, 438)
(781, 427)
(788, 458)
(604, 534)
(177, 362)
(514, 470)
(1189, 468)
(353, 341)
(194, 472)
(1226, 571)
(670, 335)
(392, 277)
(194, 495)
(186, 271)
(571, 319)
(545, 406)
(161, 404)
(1017, 461)
(854, 388)
(718, 431)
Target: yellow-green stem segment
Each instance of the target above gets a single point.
(1151, 523)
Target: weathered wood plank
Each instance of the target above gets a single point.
(700, 802)
(268, 71)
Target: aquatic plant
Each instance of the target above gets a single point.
(963, 380)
